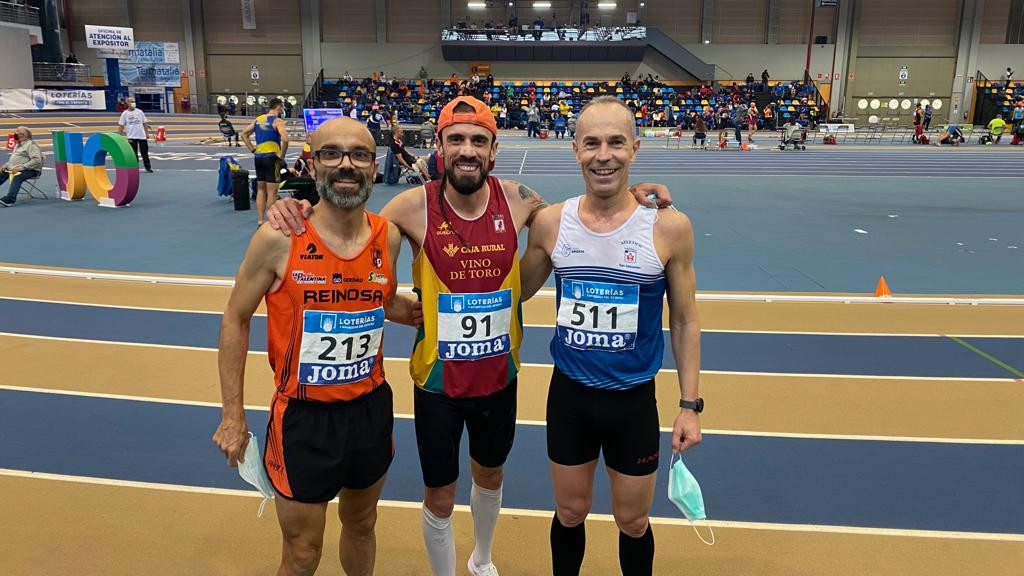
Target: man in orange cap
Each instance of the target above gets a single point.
(464, 231)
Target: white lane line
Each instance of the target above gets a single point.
(529, 325)
(538, 365)
(545, 514)
(526, 422)
(545, 292)
(523, 163)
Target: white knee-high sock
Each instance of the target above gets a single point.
(486, 506)
(440, 540)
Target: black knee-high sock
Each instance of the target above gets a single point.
(636, 555)
(567, 548)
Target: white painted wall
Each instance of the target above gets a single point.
(783, 61)
(15, 58)
(994, 58)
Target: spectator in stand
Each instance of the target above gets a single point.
(1008, 76)
(769, 116)
(928, 111)
(749, 80)
(503, 117)
(570, 124)
(764, 80)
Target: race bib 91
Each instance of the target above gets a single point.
(598, 315)
(339, 347)
(473, 326)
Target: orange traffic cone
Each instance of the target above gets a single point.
(882, 290)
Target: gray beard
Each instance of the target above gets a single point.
(345, 201)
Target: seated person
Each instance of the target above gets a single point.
(1018, 134)
(298, 180)
(952, 135)
(427, 133)
(996, 128)
(407, 160)
(227, 129)
(25, 163)
(699, 133)
(792, 132)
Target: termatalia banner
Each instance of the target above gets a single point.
(14, 99)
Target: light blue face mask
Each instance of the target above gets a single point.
(251, 470)
(684, 492)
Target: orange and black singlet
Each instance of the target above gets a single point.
(325, 322)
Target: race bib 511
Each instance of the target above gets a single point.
(598, 315)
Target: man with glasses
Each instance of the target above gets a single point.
(327, 294)
(464, 232)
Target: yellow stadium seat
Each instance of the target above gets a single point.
(618, 90)
(703, 102)
(590, 90)
(659, 102)
(639, 115)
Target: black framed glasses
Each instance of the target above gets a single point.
(332, 157)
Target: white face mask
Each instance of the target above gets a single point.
(252, 471)
(131, 105)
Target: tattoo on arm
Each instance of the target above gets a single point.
(531, 196)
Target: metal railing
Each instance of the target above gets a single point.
(19, 14)
(560, 34)
(61, 72)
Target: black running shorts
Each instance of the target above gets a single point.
(491, 421)
(314, 449)
(268, 169)
(583, 421)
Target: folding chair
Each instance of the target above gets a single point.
(31, 189)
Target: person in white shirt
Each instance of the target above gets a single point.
(134, 126)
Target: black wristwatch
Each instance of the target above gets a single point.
(697, 406)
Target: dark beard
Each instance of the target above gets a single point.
(342, 200)
(466, 185)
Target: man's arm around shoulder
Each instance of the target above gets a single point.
(535, 266)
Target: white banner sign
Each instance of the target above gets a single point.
(109, 37)
(248, 14)
(14, 99)
(146, 53)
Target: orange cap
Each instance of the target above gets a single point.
(481, 115)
